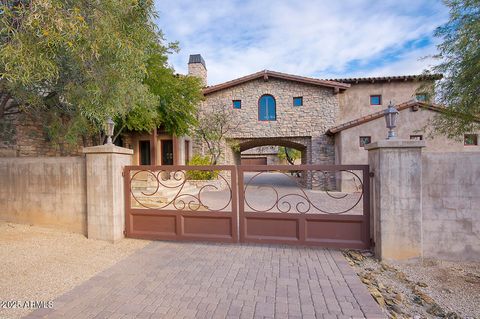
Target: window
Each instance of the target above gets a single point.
(416, 137)
(298, 101)
(375, 100)
(144, 147)
(237, 104)
(422, 97)
(267, 109)
(364, 140)
(470, 139)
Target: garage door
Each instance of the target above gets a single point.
(254, 161)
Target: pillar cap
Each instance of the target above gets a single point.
(107, 149)
(395, 144)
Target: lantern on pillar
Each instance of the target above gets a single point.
(391, 116)
(109, 126)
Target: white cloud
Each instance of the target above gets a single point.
(310, 38)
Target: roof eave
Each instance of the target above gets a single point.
(272, 74)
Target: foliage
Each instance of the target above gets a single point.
(177, 96)
(200, 175)
(75, 63)
(213, 126)
(289, 154)
(459, 54)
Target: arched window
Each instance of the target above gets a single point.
(267, 108)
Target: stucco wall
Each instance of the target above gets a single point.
(44, 191)
(451, 205)
(318, 113)
(347, 142)
(355, 101)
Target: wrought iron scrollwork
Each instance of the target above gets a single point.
(300, 201)
(176, 181)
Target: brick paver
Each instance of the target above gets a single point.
(200, 280)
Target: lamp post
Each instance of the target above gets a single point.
(110, 125)
(391, 114)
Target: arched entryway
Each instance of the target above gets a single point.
(242, 146)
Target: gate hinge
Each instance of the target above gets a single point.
(123, 173)
(124, 232)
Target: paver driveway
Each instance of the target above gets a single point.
(200, 280)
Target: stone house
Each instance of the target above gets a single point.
(329, 121)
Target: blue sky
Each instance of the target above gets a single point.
(316, 38)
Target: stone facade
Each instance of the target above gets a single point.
(22, 135)
(307, 123)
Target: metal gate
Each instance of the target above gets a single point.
(324, 205)
(181, 203)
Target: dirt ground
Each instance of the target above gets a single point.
(428, 289)
(39, 264)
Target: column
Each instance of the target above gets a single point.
(396, 198)
(105, 193)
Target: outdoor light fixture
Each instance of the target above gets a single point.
(391, 114)
(109, 128)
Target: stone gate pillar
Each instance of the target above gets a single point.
(396, 198)
(105, 194)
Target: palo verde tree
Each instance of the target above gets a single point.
(75, 63)
(459, 56)
(213, 127)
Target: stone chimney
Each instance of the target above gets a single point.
(196, 67)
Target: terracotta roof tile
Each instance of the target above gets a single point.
(379, 114)
(279, 75)
(417, 77)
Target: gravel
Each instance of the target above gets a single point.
(39, 264)
(453, 285)
(428, 289)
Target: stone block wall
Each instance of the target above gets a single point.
(318, 113)
(451, 205)
(22, 135)
(44, 191)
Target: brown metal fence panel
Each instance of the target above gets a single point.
(323, 205)
(181, 202)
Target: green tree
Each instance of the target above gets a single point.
(212, 129)
(75, 63)
(289, 154)
(459, 55)
(176, 100)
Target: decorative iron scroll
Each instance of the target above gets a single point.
(176, 181)
(301, 201)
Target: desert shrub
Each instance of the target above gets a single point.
(198, 160)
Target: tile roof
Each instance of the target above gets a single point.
(417, 77)
(380, 114)
(279, 75)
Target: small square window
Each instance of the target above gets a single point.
(298, 101)
(364, 140)
(421, 97)
(416, 137)
(237, 104)
(375, 100)
(470, 139)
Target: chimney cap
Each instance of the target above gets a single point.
(196, 58)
